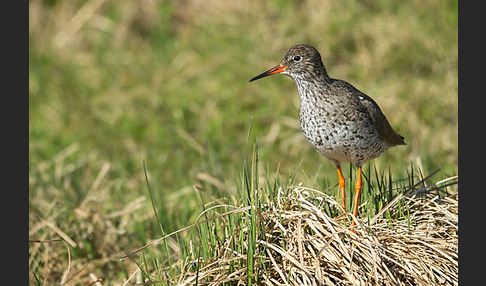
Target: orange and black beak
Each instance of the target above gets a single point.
(277, 69)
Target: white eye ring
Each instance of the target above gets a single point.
(297, 59)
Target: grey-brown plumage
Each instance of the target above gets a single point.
(341, 122)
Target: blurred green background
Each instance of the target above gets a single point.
(116, 83)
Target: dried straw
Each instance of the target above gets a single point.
(302, 245)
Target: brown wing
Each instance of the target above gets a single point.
(368, 105)
(385, 131)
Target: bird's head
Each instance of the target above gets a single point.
(297, 62)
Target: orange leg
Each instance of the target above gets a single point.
(341, 184)
(358, 187)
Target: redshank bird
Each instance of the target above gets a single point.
(340, 122)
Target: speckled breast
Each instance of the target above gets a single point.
(337, 135)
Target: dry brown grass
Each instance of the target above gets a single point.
(304, 246)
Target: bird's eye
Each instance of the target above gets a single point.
(297, 59)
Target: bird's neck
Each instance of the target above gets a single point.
(308, 86)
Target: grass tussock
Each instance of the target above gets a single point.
(302, 245)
